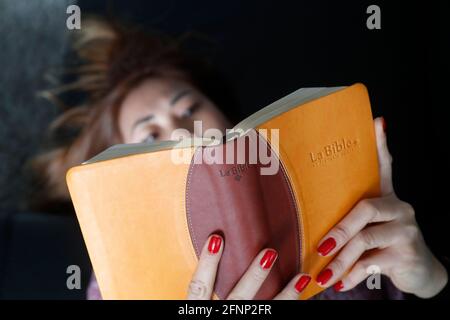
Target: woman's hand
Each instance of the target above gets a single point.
(201, 286)
(382, 232)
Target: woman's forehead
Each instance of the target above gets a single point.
(158, 88)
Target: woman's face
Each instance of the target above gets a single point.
(158, 106)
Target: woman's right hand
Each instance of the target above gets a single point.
(202, 285)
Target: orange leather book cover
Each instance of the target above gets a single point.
(144, 216)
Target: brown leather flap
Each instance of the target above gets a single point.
(252, 211)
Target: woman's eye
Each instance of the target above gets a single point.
(190, 111)
(150, 138)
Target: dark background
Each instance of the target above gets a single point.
(265, 49)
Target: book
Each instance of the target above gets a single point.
(146, 209)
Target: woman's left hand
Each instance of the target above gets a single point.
(382, 232)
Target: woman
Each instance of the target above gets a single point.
(141, 88)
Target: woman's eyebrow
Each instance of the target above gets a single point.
(179, 95)
(142, 120)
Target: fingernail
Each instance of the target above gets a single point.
(327, 246)
(302, 283)
(214, 244)
(383, 122)
(268, 259)
(324, 276)
(338, 286)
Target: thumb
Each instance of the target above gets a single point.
(384, 157)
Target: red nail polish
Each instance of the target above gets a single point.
(383, 122)
(302, 283)
(326, 247)
(324, 276)
(214, 244)
(338, 286)
(268, 259)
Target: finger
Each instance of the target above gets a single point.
(294, 288)
(366, 211)
(253, 278)
(375, 263)
(378, 236)
(384, 157)
(202, 283)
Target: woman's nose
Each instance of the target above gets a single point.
(183, 133)
(180, 128)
